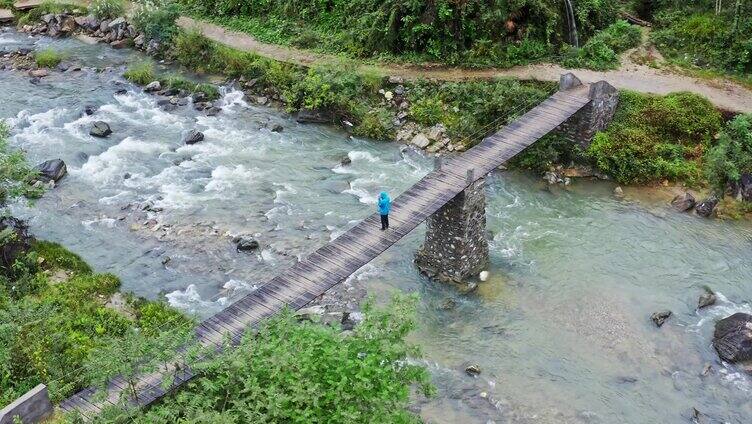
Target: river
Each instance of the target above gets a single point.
(561, 331)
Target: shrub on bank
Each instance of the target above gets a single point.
(48, 58)
(156, 19)
(303, 372)
(53, 316)
(732, 155)
(653, 138)
(107, 9)
(141, 74)
(601, 52)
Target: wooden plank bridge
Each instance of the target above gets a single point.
(333, 263)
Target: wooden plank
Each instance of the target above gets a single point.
(330, 279)
(325, 263)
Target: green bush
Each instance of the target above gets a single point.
(601, 52)
(107, 9)
(471, 31)
(156, 20)
(376, 124)
(141, 74)
(290, 372)
(16, 175)
(48, 58)
(427, 110)
(49, 330)
(697, 36)
(653, 138)
(732, 155)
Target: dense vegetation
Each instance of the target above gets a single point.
(472, 32)
(698, 34)
(731, 156)
(53, 317)
(468, 110)
(295, 372)
(653, 138)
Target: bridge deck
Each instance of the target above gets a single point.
(331, 264)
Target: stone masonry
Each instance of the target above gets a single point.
(456, 246)
(33, 407)
(596, 116)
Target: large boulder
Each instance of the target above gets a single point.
(306, 116)
(100, 129)
(733, 338)
(51, 170)
(707, 206)
(245, 243)
(745, 187)
(15, 246)
(684, 202)
(193, 137)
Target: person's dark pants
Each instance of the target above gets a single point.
(384, 222)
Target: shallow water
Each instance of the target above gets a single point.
(561, 331)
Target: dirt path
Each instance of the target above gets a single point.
(724, 94)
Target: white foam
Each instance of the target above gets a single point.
(357, 155)
(365, 189)
(225, 178)
(102, 222)
(190, 301)
(117, 160)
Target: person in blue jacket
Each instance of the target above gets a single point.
(385, 205)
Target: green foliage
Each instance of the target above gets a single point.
(290, 372)
(55, 318)
(376, 124)
(107, 9)
(601, 52)
(15, 173)
(35, 15)
(732, 155)
(472, 110)
(695, 35)
(141, 74)
(553, 149)
(156, 19)
(57, 257)
(474, 32)
(48, 58)
(654, 138)
(178, 82)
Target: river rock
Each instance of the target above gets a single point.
(483, 276)
(139, 40)
(212, 111)
(707, 206)
(116, 24)
(351, 319)
(39, 73)
(706, 299)
(306, 116)
(313, 313)
(51, 170)
(420, 140)
(68, 24)
(277, 128)
(100, 129)
(745, 187)
(473, 370)
(193, 137)
(15, 246)
(732, 338)
(120, 44)
(684, 202)
(345, 161)
(153, 86)
(619, 193)
(245, 243)
(659, 318)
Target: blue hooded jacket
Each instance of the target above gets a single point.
(385, 203)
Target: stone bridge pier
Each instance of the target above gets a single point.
(456, 245)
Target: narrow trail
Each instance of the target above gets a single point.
(724, 94)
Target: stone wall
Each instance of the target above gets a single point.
(33, 407)
(456, 246)
(596, 116)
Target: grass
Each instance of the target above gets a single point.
(48, 58)
(141, 74)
